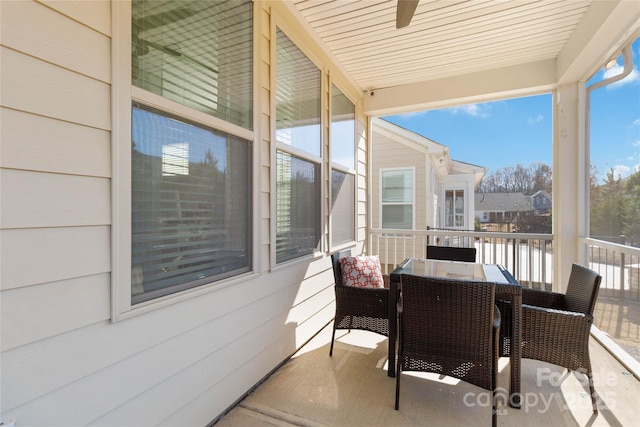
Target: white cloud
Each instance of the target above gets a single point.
(617, 69)
(636, 122)
(621, 171)
(536, 119)
(475, 110)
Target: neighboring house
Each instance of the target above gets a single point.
(175, 175)
(415, 185)
(502, 208)
(541, 202)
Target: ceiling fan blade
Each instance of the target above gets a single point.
(404, 12)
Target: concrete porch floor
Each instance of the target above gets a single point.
(352, 389)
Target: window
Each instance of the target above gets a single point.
(190, 170)
(454, 208)
(397, 199)
(198, 54)
(342, 139)
(298, 156)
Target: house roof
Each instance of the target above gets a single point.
(502, 202)
(515, 48)
(440, 153)
(542, 193)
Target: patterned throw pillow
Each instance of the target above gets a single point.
(362, 272)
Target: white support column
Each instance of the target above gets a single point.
(568, 181)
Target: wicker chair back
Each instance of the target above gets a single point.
(582, 290)
(451, 253)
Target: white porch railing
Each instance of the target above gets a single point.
(619, 267)
(527, 256)
(617, 312)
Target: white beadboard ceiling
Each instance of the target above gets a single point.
(446, 38)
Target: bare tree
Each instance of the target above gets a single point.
(518, 179)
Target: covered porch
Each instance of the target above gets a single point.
(250, 346)
(352, 388)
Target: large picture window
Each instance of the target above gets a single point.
(190, 180)
(342, 140)
(190, 216)
(298, 156)
(397, 198)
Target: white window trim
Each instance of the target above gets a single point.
(465, 200)
(340, 168)
(413, 203)
(123, 95)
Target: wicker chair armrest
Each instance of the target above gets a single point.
(556, 312)
(366, 299)
(363, 292)
(540, 298)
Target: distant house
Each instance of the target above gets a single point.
(502, 208)
(541, 203)
(415, 184)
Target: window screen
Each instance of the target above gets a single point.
(198, 54)
(190, 214)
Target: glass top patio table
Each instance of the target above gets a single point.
(507, 289)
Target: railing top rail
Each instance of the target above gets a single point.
(466, 233)
(612, 246)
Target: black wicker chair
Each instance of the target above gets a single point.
(450, 327)
(359, 308)
(451, 253)
(556, 327)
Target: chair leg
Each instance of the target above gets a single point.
(494, 377)
(398, 386)
(333, 337)
(399, 357)
(592, 391)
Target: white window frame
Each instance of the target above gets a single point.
(465, 207)
(343, 169)
(123, 96)
(278, 23)
(413, 195)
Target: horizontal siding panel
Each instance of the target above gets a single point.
(214, 400)
(78, 354)
(60, 307)
(36, 199)
(75, 402)
(31, 85)
(95, 14)
(41, 32)
(38, 143)
(33, 256)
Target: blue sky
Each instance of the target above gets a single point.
(519, 131)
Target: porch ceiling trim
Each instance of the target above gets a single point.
(506, 82)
